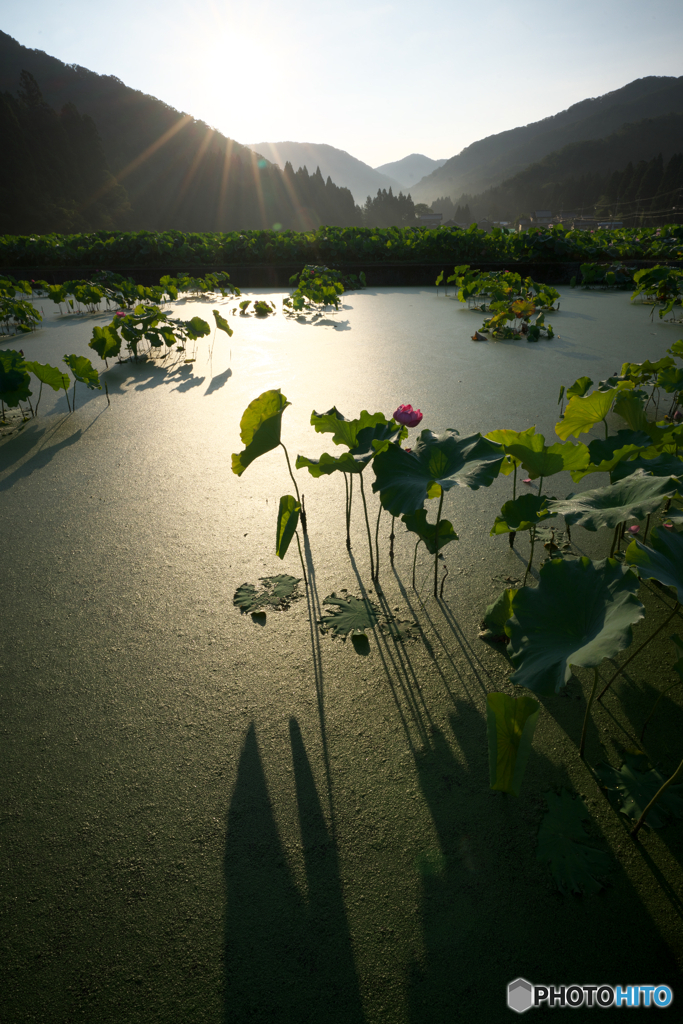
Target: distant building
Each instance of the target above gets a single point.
(430, 220)
(610, 224)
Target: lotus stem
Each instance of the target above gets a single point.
(588, 708)
(415, 561)
(514, 483)
(615, 538)
(639, 649)
(638, 825)
(436, 544)
(379, 516)
(40, 393)
(392, 536)
(367, 526)
(606, 429)
(443, 579)
(531, 556)
(647, 526)
(347, 511)
(298, 496)
(679, 682)
(106, 390)
(303, 567)
(73, 397)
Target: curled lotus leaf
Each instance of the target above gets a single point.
(437, 462)
(222, 324)
(579, 387)
(605, 453)
(357, 435)
(583, 412)
(84, 371)
(260, 428)
(287, 522)
(507, 437)
(510, 725)
(634, 497)
(433, 540)
(521, 514)
(327, 464)
(663, 561)
(580, 613)
(670, 378)
(575, 864)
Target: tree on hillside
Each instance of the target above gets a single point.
(387, 210)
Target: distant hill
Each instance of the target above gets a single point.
(344, 169)
(177, 171)
(577, 177)
(410, 169)
(498, 157)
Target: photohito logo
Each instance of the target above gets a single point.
(522, 995)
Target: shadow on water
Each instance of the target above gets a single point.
(491, 913)
(288, 956)
(17, 448)
(218, 381)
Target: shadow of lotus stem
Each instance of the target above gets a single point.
(436, 553)
(367, 526)
(588, 709)
(638, 825)
(638, 650)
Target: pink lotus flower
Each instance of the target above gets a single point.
(120, 312)
(634, 529)
(669, 526)
(408, 416)
(527, 481)
(678, 415)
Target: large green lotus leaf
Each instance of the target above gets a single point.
(417, 523)
(510, 724)
(405, 479)
(327, 464)
(14, 380)
(260, 428)
(521, 514)
(576, 865)
(580, 613)
(287, 522)
(507, 437)
(579, 387)
(542, 460)
(349, 615)
(105, 341)
(631, 407)
(196, 327)
(50, 375)
(639, 373)
(634, 497)
(677, 348)
(605, 453)
(633, 790)
(357, 434)
(663, 561)
(84, 371)
(495, 620)
(662, 465)
(582, 413)
(670, 378)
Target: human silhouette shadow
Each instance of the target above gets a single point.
(287, 957)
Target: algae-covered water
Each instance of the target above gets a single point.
(208, 818)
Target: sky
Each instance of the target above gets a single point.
(379, 80)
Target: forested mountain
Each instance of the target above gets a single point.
(497, 158)
(178, 172)
(344, 169)
(53, 172)
(591, 177)
(410, 169)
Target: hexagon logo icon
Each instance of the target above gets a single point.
(520, 995)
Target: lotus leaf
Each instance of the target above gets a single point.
(582, 413)
(327, 464)
(510, 724)
(605, 453)
(521, 514)
(508, 437)
(663, 561)
(277, 592)
(222, 324)
(498, 614)
(434, 540)
(357, 434)
(662, 465)
(84, 371)
(630, 406)
(50, 375)
(575, 864)
(260, 428)
(539, 460)
(670, 378)
(579, 387)
(287, 522)
(349, 615)
(105, 341)
(633, 790)
(14, 378)
(580, 613)
(405, 479)
(634, 497)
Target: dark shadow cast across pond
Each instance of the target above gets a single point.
(288, 955)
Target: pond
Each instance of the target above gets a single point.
(213, 818)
